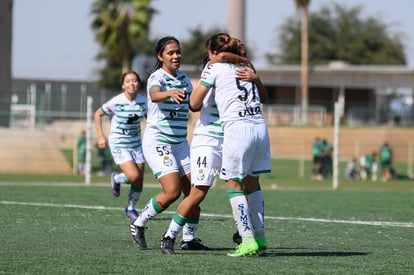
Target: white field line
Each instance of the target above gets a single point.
(98, 207)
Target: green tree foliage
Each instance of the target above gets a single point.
(340, 33)
(302, 3)
(122, 29)
(194, 48)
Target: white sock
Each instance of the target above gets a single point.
(189, 230)
(133, 198)
(150, 210)
(256, 207)
(175, 226)
(241, 213)
(121, 178)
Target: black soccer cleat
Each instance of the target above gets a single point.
(237, 238)
(194, 244)
(167, 245)
(138, 235)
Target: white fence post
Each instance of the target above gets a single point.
(410, 160)
(338, 113)
(32, 121)
(88, 160)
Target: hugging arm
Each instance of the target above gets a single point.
(197, 96)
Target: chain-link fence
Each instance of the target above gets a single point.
(58, 110)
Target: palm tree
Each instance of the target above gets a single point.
(304, 4)
(6, 14)
(121, 26)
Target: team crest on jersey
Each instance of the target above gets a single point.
(167, 161)
(200, 175)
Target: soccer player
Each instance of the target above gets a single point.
(205, 154)
(369, 166)
(385, 155)
(128, 109)
(243, 159)
(165, 144)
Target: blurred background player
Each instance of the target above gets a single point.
(128, 109)
(369, 166)
(351, 170)
(385, 155)
(81, 147)
(317, 148)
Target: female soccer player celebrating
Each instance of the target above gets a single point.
(165, 144)
(128, 110)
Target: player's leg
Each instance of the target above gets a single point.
(241, 215)
(260, 163)
(256, 203)
(183, 217)
(165, 168)
(135, 176)
(123, 158)
(234, 170)
(205, 164)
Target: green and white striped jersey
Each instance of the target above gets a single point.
(209, 120)
(167, 121)
(127, 115)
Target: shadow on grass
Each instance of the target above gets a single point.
(275, 253)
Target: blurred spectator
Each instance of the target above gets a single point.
(351, 172)
(386, 161)
(104, 161)
(326, 167)
(317, 148)
(369, 166)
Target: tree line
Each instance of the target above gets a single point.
(336, 32)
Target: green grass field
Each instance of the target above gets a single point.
(53, 224)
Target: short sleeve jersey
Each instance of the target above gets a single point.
(385, 153)
(209, 120)
(369, 160)
(126, 118)
(317, 148)
(167, 120)
(236, 99)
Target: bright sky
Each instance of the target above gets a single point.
(52, 39)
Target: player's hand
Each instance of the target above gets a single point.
(246, 74)
(178, 95)
(101, 142)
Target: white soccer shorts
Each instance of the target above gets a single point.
(121, 155)
(206, 153)
(246, 150)
(165, 158)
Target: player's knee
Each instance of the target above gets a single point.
(172, 195)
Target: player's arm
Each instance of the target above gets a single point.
(197, 97)
(98, 125)
(157, 95)
(230, 57)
